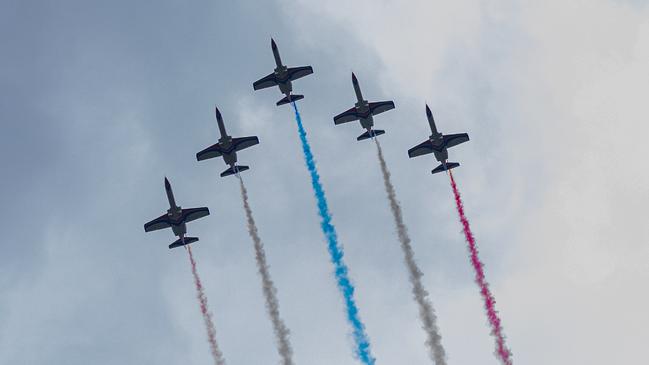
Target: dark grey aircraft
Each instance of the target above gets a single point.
(227, 147)
(438, 144)
(363, 111)
(282, 77)
(176, 218)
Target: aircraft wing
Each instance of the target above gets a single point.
(381, 106)
(193, 214)
(346, 116)
(295, 73)
(210, 152)
(264, 82)
(244, 142)
(161, 222)
(421, 149)
(451, 140)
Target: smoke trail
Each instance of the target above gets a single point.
(502, 352)
(345, 286)
(207, 316)
(268, 287)
(426, 311)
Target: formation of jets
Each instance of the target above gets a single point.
(227, 146)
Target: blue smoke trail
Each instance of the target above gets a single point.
(344, 284)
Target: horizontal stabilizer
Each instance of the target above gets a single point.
(370, 134)
(233, 170)
(448, 166)
(180, 242)
(289, 99)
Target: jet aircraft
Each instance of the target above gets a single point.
(364, 111)
(438, 144)
(176, 219)
(227, 147)
(282, 77)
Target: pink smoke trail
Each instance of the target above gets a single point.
(207, 316)
(502, 352)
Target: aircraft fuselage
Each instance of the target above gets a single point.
(179, 230)
(437, 140)
(283, 79)
(365, 115)
(225, 143)
(362, 106)
(175, 212)
(177, 226)
(281, 72)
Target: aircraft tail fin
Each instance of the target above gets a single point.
(233, 170)
(289, 99)
(370, 134)
(448, 166)
(180, 242)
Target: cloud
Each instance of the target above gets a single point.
(99, 103)
(551, 95)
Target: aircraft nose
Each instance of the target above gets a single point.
(217, 112)
(272, 43)
(167, 185)
(354, 79)
(428, 112)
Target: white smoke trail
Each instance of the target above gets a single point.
(268, 287)
(426, 311)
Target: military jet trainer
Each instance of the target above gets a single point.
(176, 218)
(282, 77)
(363, 111)
(438, 144)
(227, 147)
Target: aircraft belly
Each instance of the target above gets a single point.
(367, 122)
(230, 158)
(179, 229)
(286, 87)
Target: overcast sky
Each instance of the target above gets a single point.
(100, 100)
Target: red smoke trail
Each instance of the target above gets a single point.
(207, 316)
(489, 302)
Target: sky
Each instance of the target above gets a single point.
(99, 101)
